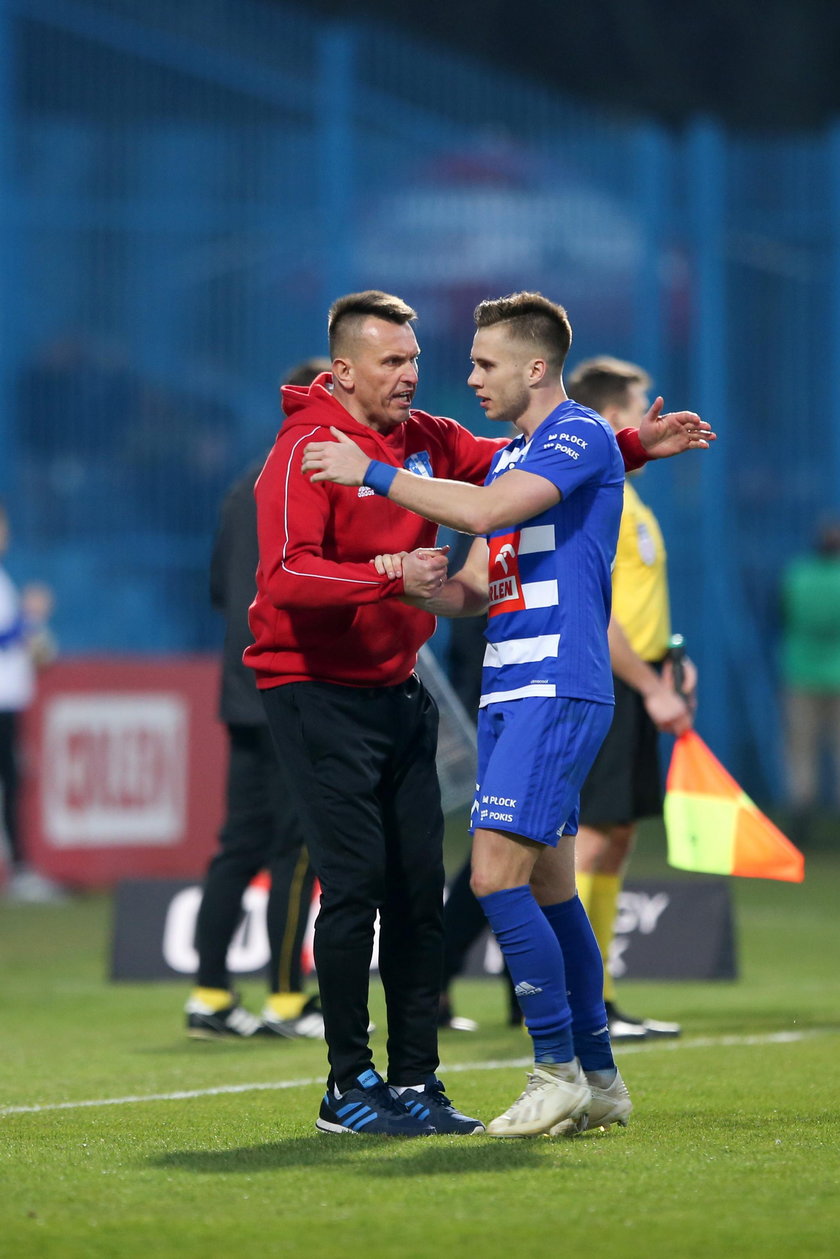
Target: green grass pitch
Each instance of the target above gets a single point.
(119, 1137)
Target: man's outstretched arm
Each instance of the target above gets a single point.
(660, 436)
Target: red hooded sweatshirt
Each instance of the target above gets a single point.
(322, 612)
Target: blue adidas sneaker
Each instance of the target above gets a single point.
(432, 1105)
(370, 1107)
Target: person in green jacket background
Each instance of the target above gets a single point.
(810, 669)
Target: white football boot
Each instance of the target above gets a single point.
(548, 1099)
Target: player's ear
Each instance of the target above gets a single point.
(537, 369)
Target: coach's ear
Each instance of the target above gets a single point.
(342, 373)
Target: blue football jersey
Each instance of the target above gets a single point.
(549, 577)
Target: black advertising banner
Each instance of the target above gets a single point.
(673, 929)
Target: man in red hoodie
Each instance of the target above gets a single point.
(334, 654)
(355, 731)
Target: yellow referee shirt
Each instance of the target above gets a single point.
(640, 579)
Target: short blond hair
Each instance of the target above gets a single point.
(532, 319)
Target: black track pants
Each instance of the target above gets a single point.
(359, 765)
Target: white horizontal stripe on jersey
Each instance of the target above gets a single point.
(546, 690)
(521, 650)
(535, 538)
(539, 594)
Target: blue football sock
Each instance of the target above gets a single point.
(535, 961)
(584, 981)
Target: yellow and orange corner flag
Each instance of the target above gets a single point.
(714, 827)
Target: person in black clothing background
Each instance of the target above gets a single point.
(260, 830)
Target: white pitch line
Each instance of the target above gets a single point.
(710, 1042)
(160, 1097)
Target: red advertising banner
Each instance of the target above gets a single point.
(124, 769)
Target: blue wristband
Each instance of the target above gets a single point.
(379, 477)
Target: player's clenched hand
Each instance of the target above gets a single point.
(676, 431)
(341, 461)
(424, 571)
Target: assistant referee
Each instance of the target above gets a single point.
(624, 784)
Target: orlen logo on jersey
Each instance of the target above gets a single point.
(505, 587)
(114, 769)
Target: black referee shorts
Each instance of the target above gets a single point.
(624, 783)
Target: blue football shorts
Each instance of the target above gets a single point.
(533, 758)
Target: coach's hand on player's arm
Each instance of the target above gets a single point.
(672, 433)
(340, 461)
(389, 565)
